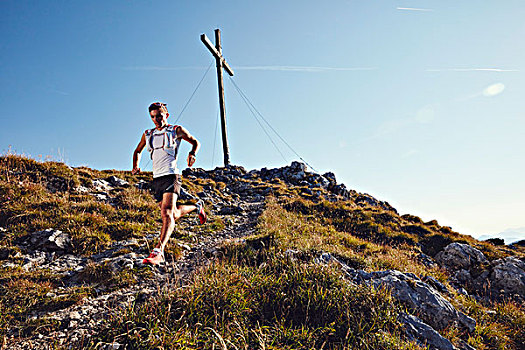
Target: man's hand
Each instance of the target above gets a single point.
(135, 171)
(191, 159)
(186, 136)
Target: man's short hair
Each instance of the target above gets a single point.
(158, 106)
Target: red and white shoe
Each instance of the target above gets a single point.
(201, 212)
(156, 257)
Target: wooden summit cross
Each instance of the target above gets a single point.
(221, 63)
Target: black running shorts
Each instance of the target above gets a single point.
(165, 184)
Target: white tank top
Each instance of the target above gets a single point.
(163, 162)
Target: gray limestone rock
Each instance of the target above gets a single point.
(440, 287)
(115, 181)
(101, 185)
(50, 240)
(323, 182)
(424, 334)
(463, 276)
(330, 177)
(508, 275)
(417, 295)
(126, 261)
(66, 263)
(101, 197)
(422, 298)
(327, 258)
(457, 256)
(297, 167)
(470, 270)
(35, 258)
(295, 173)
(340, 190)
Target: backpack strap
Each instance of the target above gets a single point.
(149, 140)
(175, 127)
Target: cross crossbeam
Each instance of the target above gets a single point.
(216, 54)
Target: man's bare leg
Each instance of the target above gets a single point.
(170, 212)
(185, 209)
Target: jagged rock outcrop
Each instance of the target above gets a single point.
(440, 287)
(419, 297)
(295, 174)
(508, 277)
(459, 256)
(470, 269)
(425, 335)
(40, 248)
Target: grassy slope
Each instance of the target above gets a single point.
(40, 195)
(260, 297)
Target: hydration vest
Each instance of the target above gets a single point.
(170, 143)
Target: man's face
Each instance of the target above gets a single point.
(159, 118)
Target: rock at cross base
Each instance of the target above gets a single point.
(330, 177)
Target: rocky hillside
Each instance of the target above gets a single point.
(288, 259)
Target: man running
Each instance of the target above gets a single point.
(163, 143)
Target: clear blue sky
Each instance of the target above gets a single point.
(417, 102)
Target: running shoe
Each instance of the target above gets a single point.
(155, 258)
(201, 212)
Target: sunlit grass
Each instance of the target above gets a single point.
(296, 231)
(281, 304)
(36, 196)
(500, 325)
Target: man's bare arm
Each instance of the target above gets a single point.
(185, 135)
(136, 154)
